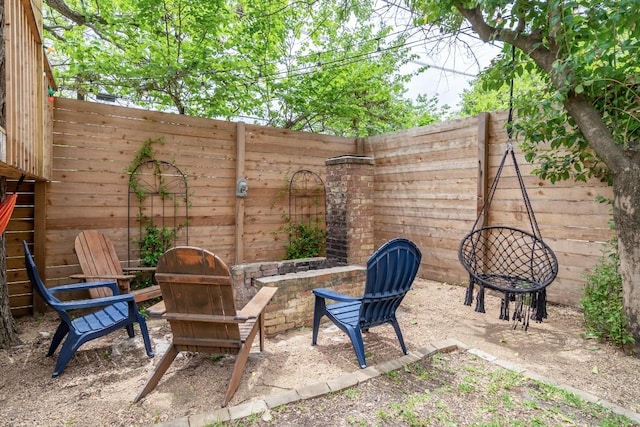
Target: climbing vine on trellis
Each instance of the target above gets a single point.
(159, 204)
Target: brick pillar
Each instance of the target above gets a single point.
(349, 210)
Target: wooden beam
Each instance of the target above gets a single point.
(360, 146)
(32, 20)
(40, 239)
(240, 173)
(483, 169)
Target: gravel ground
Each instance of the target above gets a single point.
(100, 383)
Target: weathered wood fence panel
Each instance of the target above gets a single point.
(272, 157)
(426, 189)
(95, 143)
(25, 148)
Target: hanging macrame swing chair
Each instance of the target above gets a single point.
(514, 262)
(517, 263)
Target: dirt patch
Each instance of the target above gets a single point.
(101, 381)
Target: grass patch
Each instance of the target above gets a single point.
(454, 389)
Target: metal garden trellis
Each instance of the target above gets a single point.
(307, 199)
(158, 195)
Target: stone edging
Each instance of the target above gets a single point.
(361, 375)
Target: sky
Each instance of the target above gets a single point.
(449, 74)
(454, 59)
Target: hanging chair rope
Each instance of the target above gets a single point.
(506, 259)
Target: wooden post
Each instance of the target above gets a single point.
(39, 239)
(483, 167)
(360, 146)
(239, 220)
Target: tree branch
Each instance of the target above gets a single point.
(79, 18)
(588, 119)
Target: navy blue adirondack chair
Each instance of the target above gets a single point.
(390, 274)
(109, 314)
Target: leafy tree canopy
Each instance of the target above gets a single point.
(320, 66)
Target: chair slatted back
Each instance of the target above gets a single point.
(97, 257)
(390, 274)
(199, 299)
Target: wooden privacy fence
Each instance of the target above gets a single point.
(426, 189)
(429, 188)
(95, 143)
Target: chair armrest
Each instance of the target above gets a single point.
(95, 302)
(111, 284)
(204, 318)
(332, 295)
(157, 310)
(140, 269)
(104, 276)
(257, 304)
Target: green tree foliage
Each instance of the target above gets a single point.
(584, 121)
(320, 66)
(483, 96)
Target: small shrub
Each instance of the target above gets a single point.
(306, 240)
(602, 302)
(154, 243)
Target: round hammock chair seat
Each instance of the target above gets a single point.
(508, 260)
(505, 259)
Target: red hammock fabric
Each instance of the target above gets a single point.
(6, 209)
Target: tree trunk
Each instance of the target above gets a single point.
(8, 329)
(626, 212)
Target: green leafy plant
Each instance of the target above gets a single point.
(144, 154)
(306, 240)
(602, 301)
(155, 241)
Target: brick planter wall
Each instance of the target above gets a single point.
(292, 306)
(349, 245)
(244, 275)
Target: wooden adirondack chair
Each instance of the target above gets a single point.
(198, 295)
(99, 261)
(390, 274)
(85, 320)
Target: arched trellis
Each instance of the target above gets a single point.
(307, 209)
(158, 200)
(307, 198)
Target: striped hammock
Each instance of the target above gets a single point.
(6, 209)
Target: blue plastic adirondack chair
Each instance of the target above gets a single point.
(109, 314)
(390, 274)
